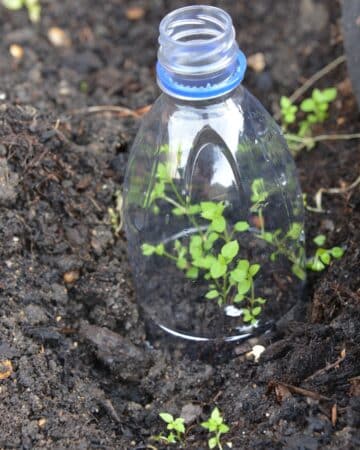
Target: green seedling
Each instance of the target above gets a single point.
(315, 111)
(212, 254)
(288, 111)
(176, 428)
(284, 244)
(287, 245)
(230, 279)
(316, 107)
(323, 257)
(33, 7)
(215, 425)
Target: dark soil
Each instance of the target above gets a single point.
(76, 370)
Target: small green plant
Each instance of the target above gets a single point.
(314, 110)
(323, 257)
(288, 110)
(212, 252)
(284, 244)
(215, 424)
(33, 7)
(316, 107)
(176, 428)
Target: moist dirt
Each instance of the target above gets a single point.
(76, 369)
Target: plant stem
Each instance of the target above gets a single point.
(184, 205)
(227, 236)
(170, 256)
(303, 141)
(224, 288)
(261, 220)
(172, 202)
(176, 192)
(290, 255)
(252, 293)
(322, 137)
(321, 191)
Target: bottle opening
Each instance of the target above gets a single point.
(195, 24)
(198, 56)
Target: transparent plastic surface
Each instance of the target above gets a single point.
(214, 218)
(213, 210)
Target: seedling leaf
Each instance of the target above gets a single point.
(254, 269)
(192, 273)
(320, 240)
(212, 294)
(218, 224)
(337, 252)
(148, 249)
(212, 442)
(166, 417)
(243, 287)
(241, 226)
(230, 250)
(218, 269)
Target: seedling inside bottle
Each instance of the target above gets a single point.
(212, 254)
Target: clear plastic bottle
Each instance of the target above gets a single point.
(213, 209)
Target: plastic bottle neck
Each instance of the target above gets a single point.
(198, 57)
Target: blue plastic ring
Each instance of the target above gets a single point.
(167, 83)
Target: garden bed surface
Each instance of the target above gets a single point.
(77, 371)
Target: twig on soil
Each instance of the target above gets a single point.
(329, 366)
(121, 111)
(286, 389)
(108, 406)
(317, 76)
(299, 390)
(219, 394)
(64, 139)
(313, 79)
(334, 414)
(321, 191)
(93, 201)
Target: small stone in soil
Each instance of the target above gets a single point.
(6, 369)
(16, 51)
(121, 356)
(135, 13)
(59, 37)
(257, 62)
(35, 314)
(71, 276)
(59, 293)
(190, 412)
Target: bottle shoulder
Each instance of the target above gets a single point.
(237, 117)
